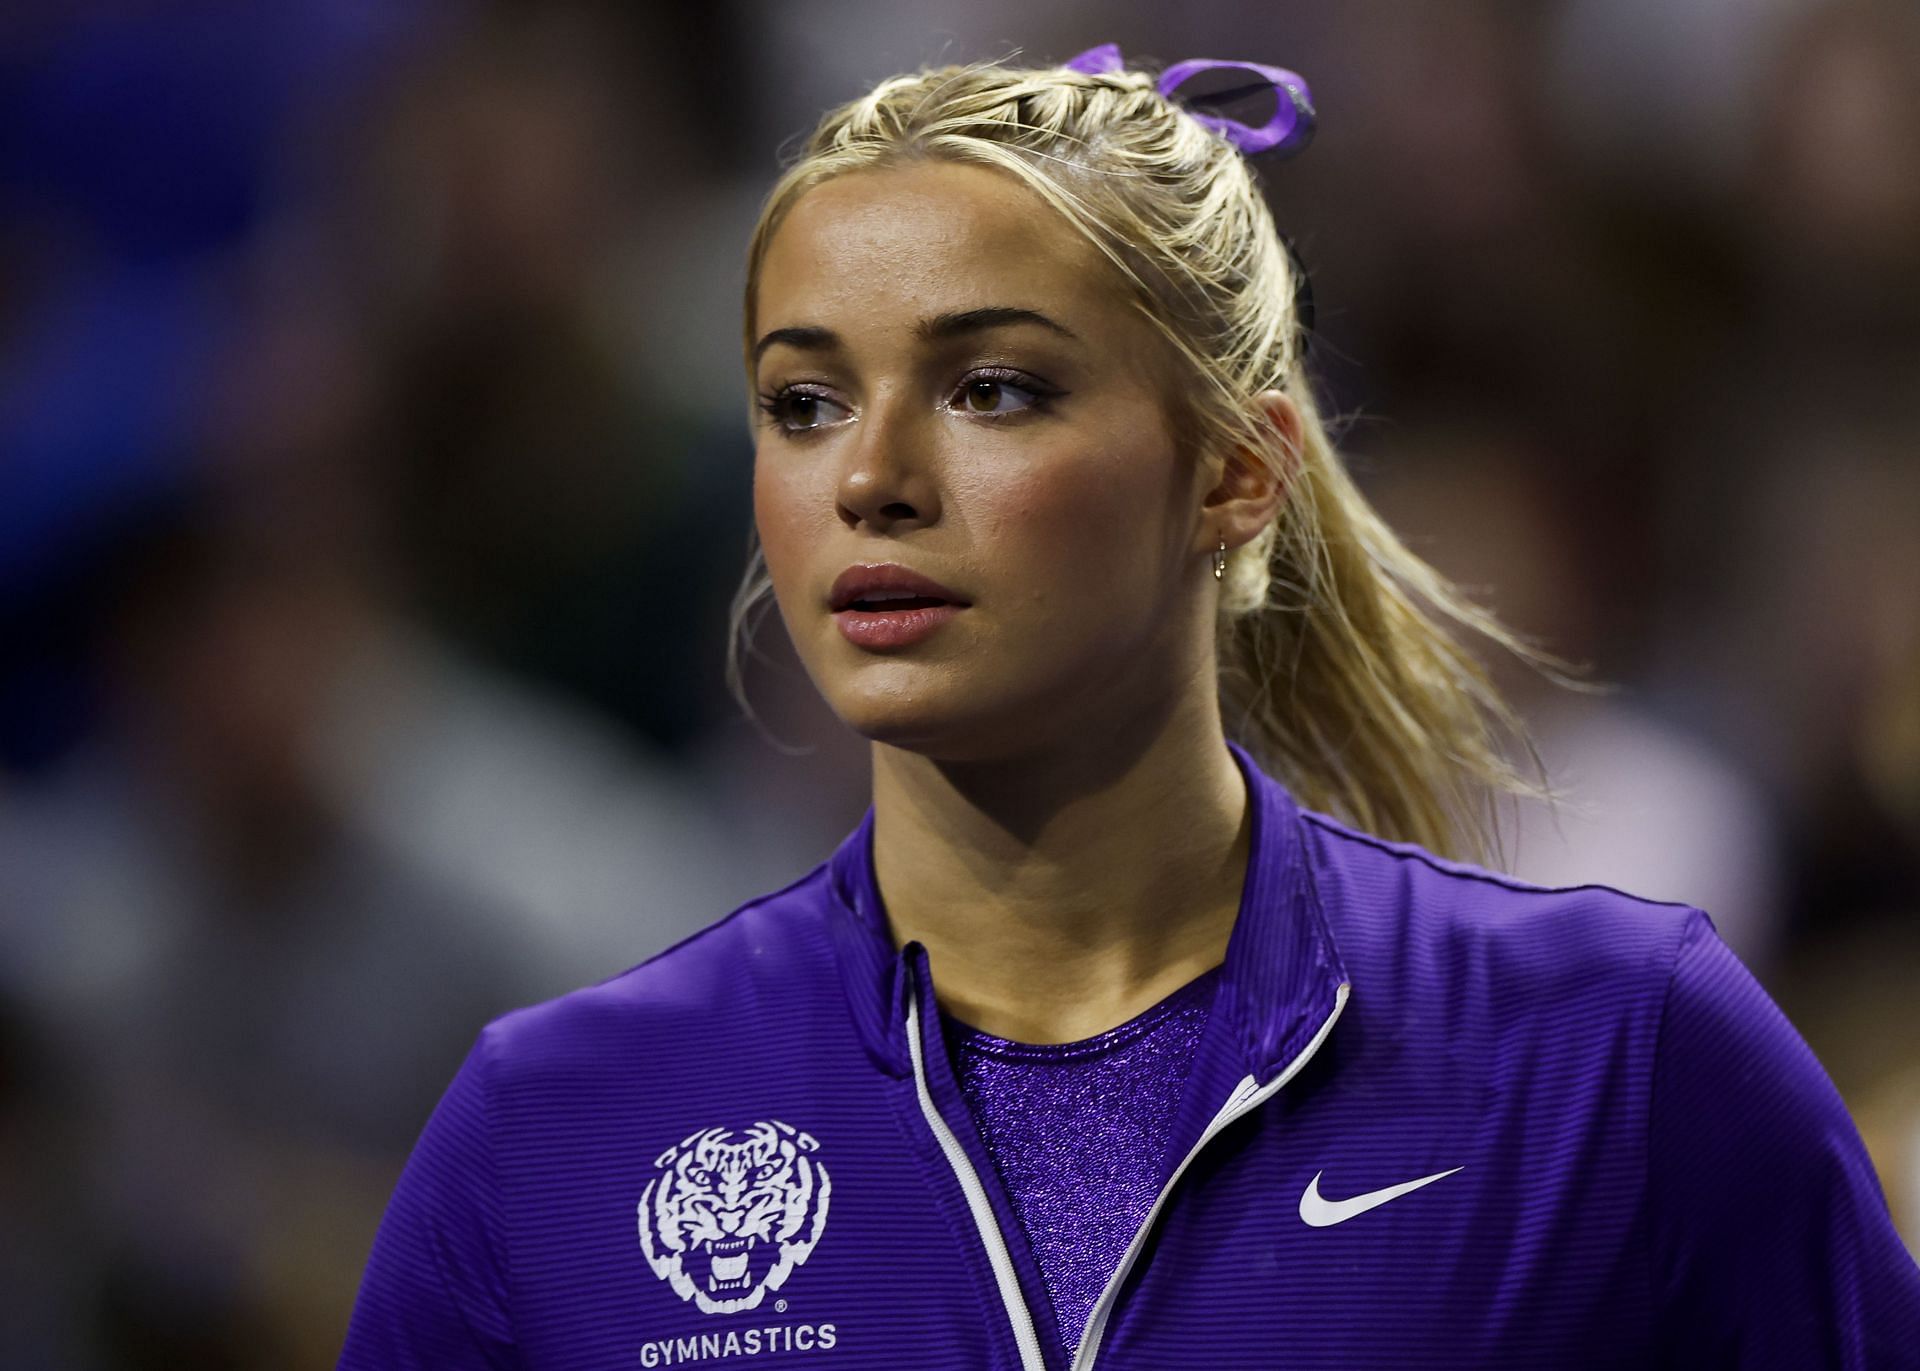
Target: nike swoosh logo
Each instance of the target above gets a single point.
(1321, 1212)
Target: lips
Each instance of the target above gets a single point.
(886, 608)
(888, 588)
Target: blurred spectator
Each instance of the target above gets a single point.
(263, 913)
(1832, 167)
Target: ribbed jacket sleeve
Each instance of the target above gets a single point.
(434, 1293)
(1771, 1241)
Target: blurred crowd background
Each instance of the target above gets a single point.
(374, 478)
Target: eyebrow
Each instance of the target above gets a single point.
(938, 328)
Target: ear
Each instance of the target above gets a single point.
(1251, 486)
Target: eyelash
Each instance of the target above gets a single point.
(774, 403)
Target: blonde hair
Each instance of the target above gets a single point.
(1338, 666)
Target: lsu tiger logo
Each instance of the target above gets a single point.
(729, 1219)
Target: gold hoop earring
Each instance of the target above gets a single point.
(1220, 562)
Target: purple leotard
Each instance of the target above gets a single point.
(1077, 1132)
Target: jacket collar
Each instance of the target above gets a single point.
(1277, 984)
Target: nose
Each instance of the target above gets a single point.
(888, 476)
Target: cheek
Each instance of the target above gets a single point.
(1086, 519)
(786, 512)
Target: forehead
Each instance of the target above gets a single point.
(902, 242)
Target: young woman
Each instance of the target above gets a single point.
(1095, 1044)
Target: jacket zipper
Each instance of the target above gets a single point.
(1244, 1097)
(1017, 1311)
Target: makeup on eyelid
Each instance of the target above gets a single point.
(776, 404)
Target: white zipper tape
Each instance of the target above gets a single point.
(1017, 1312)
(1244, 1097)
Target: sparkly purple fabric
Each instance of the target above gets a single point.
(1076, 1131)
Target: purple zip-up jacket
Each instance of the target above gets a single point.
(1437, 1118)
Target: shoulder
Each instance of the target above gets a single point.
(1398, 913)
(769, 959)
(1524, 1012)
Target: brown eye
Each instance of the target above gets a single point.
(800, 411)
(994, 396)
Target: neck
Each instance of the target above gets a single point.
(1060, 894)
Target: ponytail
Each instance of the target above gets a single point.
(1343, 669)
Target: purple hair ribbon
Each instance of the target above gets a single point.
(1287, 132)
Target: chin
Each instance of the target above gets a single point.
(949, 722)
(933, 732)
